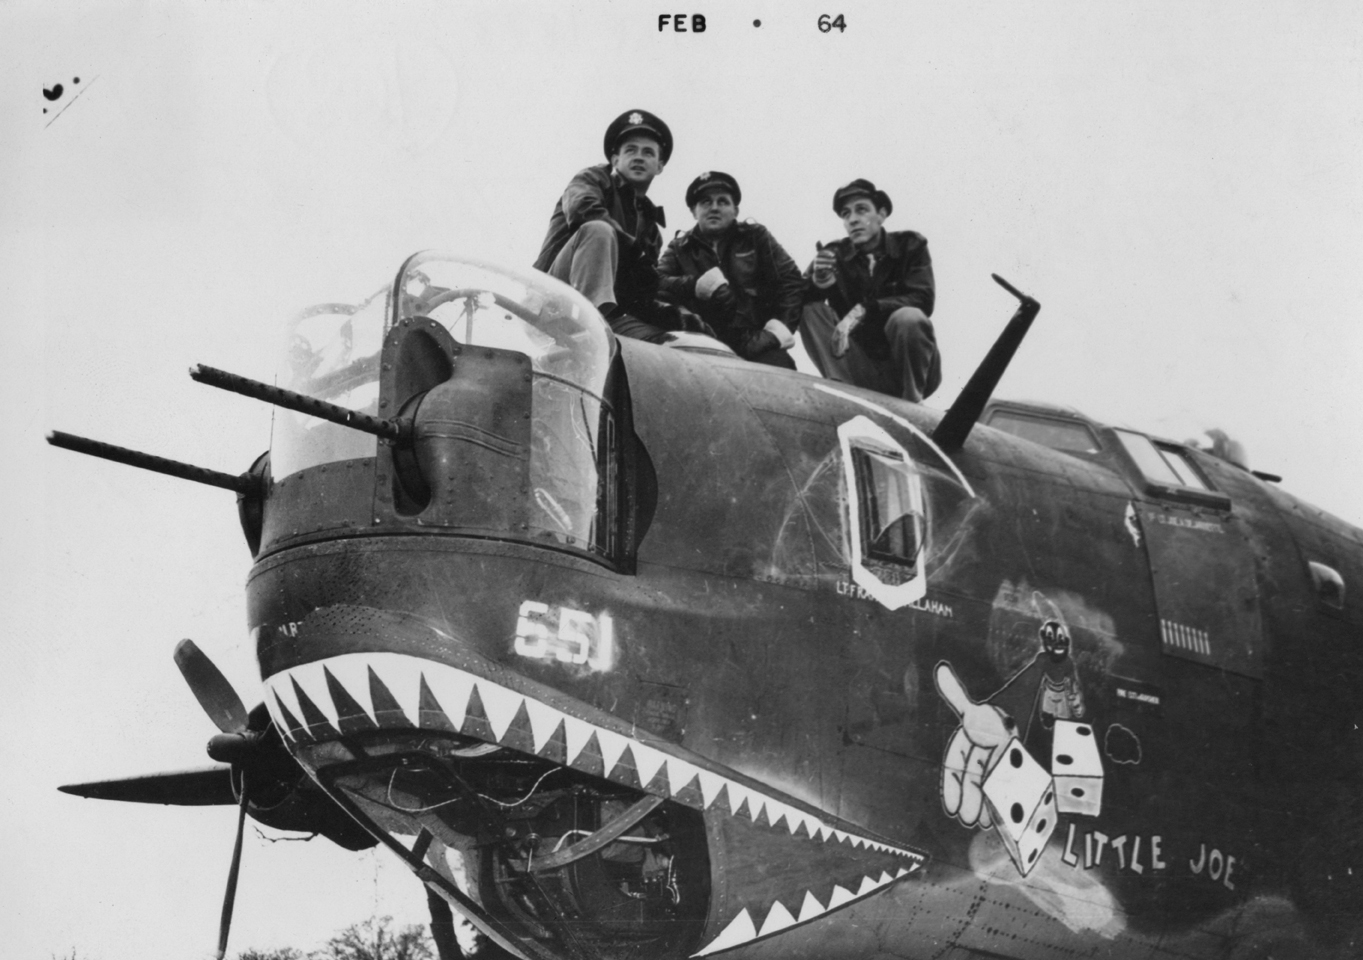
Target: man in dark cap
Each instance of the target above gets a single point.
(734, 275)
(603, 237)
(868, 299)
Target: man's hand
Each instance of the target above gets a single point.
(824, 273)
(843, 331)
(973, 751)
(709, 283)
(781, 332)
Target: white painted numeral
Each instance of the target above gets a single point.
(574, 639)
(580, 638)
(532, 636)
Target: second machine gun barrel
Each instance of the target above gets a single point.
(387, 429)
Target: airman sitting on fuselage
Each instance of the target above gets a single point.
(868, 301)
(734, 275)
(603, 237)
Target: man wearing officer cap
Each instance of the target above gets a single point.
(603, 237)
(868, 299)
(734, 275)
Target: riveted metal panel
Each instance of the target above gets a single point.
(472, 439)
(333, 499)
(1206, 588)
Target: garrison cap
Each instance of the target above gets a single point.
(711, 179)
(638, 121)
(862, 188)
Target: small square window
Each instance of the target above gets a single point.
(1169, 471)
(1182, 466)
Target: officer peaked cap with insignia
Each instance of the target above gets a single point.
(862, 188)
(638, 121)
(709, 180)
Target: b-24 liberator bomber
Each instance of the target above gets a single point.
(642, 652)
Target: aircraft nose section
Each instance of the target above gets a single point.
(548, 821)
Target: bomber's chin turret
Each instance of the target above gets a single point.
(556, 827)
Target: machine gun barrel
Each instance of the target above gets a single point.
(956, 425)
(387, 429)
(241, 484)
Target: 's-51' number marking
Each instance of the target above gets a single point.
(826, 25)
(566, 635)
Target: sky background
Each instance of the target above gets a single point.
(1179, 183)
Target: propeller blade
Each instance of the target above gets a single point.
(230, 896)
(205, 787)
(210, 688)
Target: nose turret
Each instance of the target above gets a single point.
(470, 458)
(494, 384)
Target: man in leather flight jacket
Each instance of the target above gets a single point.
(603, 237)
(869, 298)
(734, 275)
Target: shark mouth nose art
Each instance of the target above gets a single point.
(706, 833)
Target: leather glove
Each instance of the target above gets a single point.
(843, 331)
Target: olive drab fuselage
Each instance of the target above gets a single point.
(632, 651)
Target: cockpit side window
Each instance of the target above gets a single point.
(1164, 466)
(1182, 466)
(1062, 435)
(1169, 470)
(888, 525)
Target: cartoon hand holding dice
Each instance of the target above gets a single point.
(990, 779)
(973, 751)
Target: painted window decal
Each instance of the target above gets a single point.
(888, 520)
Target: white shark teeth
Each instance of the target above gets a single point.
(740, 930)
(576, 734)
(648, 762)
(738, 794)
(811, 908)
(839, 896)
(778, 918)
(454, 691)
(283, 699)
(710, 785)
(501, 706)
(408, 697)
(613, 746)
(353, 675)
(544, 720)
(679, 774)
(311, 679)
